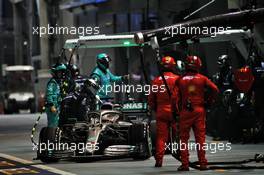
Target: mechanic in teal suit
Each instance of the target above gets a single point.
(103, 76)
(53, 94)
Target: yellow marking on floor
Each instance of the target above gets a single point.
(5, 163)
(18, 171)
(27, 162)
(220, 170)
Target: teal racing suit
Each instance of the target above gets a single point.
(104, 80)
(53, 98)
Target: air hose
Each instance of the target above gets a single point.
(233, 164)
(34, 128)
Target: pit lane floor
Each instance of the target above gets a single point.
(15, 142)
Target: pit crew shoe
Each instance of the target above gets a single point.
(203, 168)
(183, 168)
(158, 164)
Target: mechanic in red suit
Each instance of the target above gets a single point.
(191, 87)
(161, 102)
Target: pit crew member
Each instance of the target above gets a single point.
(53, 94)
(160, 102)
(192, 87)
(103, 76)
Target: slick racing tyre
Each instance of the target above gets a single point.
(140, 136)
(47, 137)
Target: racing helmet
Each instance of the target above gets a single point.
(223, 60)
(180, 66)
(193, 63)
(168, 63)
(245, 69)
(56, 68)
(103, 60)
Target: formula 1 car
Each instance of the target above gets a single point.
(104, 133)
(114, 131)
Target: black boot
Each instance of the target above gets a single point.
(158, 164)
(183, 168)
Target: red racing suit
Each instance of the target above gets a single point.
(161, 103)
(192, 114)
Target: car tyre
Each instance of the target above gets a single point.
(140, 136)
(51, 135)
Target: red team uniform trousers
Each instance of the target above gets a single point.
(192, 115)
(161, 103)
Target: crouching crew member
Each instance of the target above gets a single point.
(160, 102)
(53, 94)
(192, 87)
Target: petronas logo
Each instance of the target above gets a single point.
(134, 106)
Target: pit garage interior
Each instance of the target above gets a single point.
(239, 123)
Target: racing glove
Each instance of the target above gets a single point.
(53, 109)
(125, 78)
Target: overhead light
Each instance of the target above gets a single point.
(126, 43)
(15, 1)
